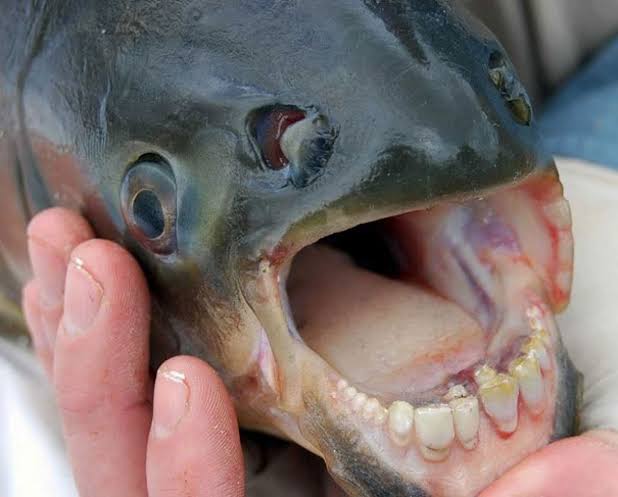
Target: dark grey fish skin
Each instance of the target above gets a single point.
(414, 103)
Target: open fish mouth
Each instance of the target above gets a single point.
(429, 338)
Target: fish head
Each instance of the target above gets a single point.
(343, 207)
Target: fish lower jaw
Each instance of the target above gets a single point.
(433, 429)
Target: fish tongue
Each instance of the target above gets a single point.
(386, 336)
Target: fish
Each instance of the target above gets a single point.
(343, 207)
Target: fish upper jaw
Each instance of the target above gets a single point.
(472, 396)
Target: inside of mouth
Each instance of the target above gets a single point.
(407, 307)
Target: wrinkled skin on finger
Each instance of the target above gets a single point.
(215, 140)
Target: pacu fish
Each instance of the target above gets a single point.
(342, 206)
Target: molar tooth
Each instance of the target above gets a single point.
(400, 422)
(349, 393)
(499, 397)
(527, 371)
(467, 419)
(456, 392)
(435, 431)
(370, 409)
(559, 213)
(358, 401)
(484, 374)
(534, 347)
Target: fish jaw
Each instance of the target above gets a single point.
(471, 398)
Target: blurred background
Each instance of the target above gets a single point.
(566, 52)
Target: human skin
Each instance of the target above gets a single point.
(185, 441)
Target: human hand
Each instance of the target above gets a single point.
(585, 465)
(87, 309)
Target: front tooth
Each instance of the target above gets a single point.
(358, 401)
(527, 371)
(370, 409)
(534, 347)
(499, 397)
(467, 420)
(484, 374)
(435, 431)
(400, 422)
(349, 393)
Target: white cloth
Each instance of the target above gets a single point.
(32, 460)
(590, 324)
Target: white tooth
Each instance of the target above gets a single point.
(349, 393)
(544, 336)
(484, 374)
(534, 347)
(400, 422)
(358, 401)
(499, 397)
(527, 371)
(370, 409)
(467, 419)
(435, 431)
(456, 392)
(342, 385)
(380, 416)
(559, 213)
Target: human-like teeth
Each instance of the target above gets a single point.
(342, 385)
(400, 422)
(484, 374)
(349, 393)
(380, 416)
(370, 409)
(435, 431)
(535, 347)
(527, 371)
(559, 214)
(456, 392)
(499, 396)
(466, 417)
(358, 401)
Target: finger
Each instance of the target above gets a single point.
(101, 370)
(52, 236)
(32, 313)
(194, 445)
(574, 467)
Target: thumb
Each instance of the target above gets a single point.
(585, 465)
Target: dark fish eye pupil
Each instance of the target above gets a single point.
(148, 214)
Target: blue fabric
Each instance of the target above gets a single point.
(581, 120)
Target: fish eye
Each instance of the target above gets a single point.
(148, 199)
(148, 214)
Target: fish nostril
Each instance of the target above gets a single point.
(504, 79)
(298, 142)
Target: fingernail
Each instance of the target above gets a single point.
(50, 267)
(171, 400)
(82, 299)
